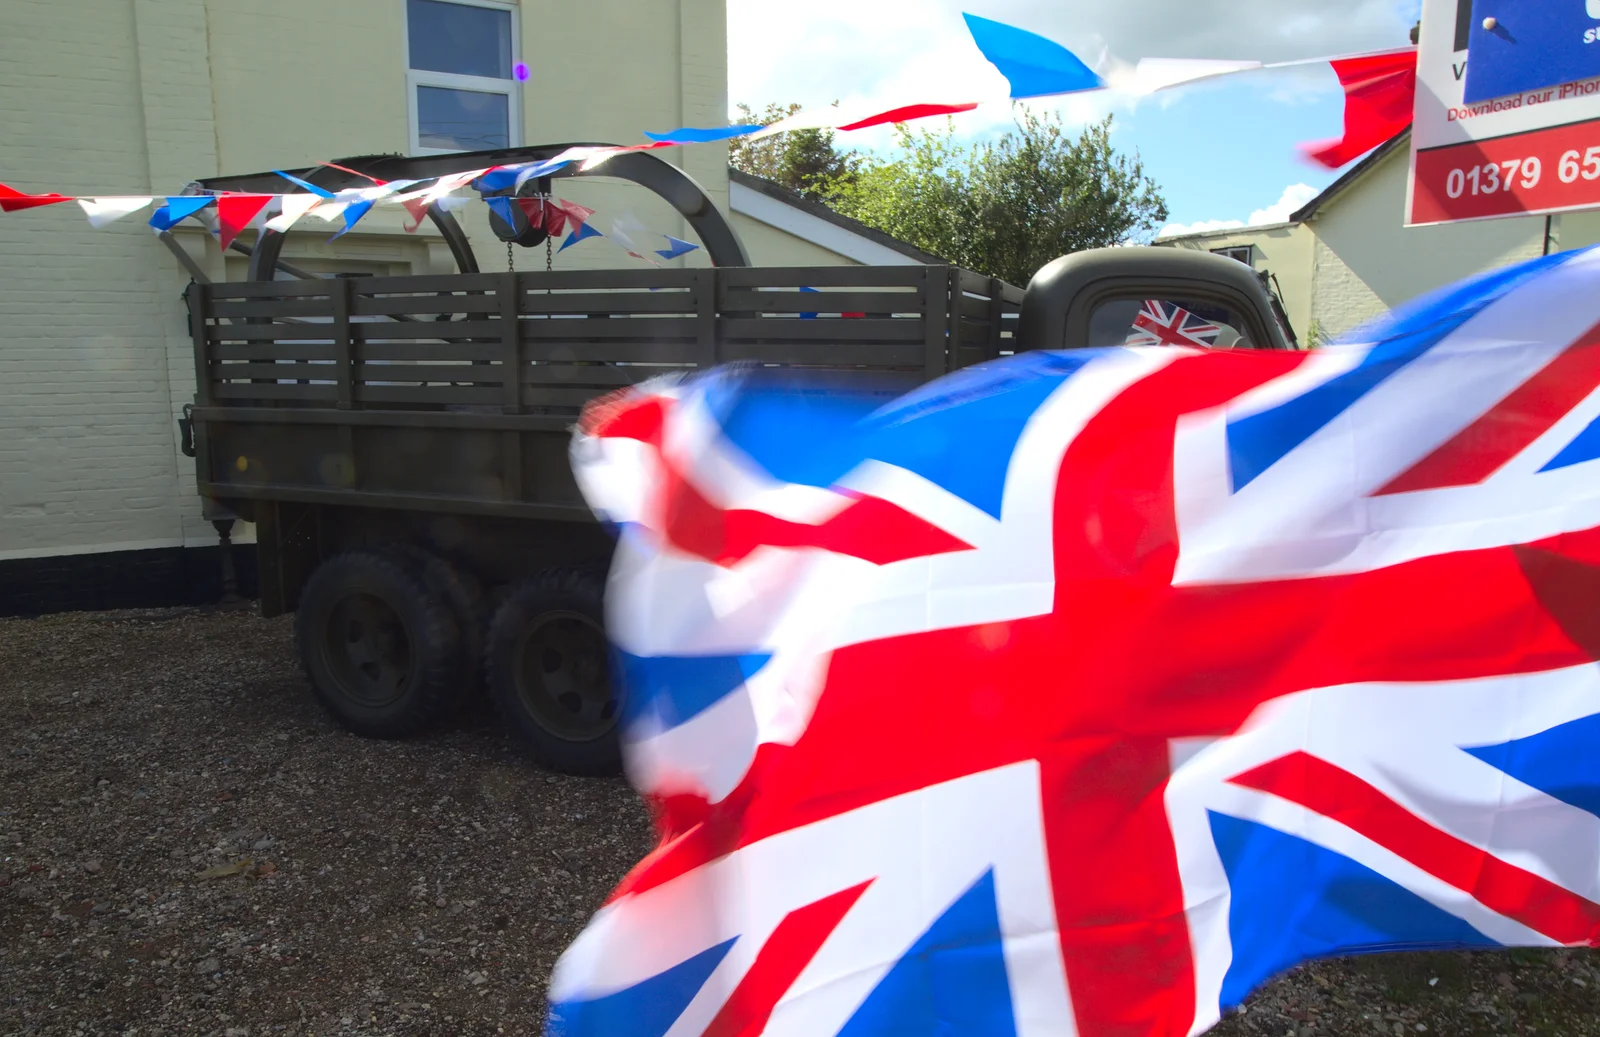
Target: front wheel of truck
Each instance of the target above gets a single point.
(549, 672)
(380, 648)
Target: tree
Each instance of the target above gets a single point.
(1005, 208)
(805, 161)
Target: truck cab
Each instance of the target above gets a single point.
(401, 443)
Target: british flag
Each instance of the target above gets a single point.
(1162, 323)
(1082, 692)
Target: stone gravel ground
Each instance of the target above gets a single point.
(188, 845)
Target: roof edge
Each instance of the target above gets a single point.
(1222, 232)
(822, 212)
(1351, 175)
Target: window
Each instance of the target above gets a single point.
(463, 94)
(1168, 322)
(1243, 253)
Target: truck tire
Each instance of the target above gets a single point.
(382, 651)
(463, 593)
(549, 674)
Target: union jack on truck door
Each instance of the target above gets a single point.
(1083, 692)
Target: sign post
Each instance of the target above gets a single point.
(1507, 119)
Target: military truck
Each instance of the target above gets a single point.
(401, 442)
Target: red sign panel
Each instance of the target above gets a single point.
(1536, 171)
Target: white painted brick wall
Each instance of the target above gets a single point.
(135, 96)
(1366, 261)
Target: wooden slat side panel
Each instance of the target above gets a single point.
(264, 351)
(251, 290)
(538, 304)
(488, 374)
(326, 394)
(826, 354)
(429, 351)
(603, 280)
(489, 395)
(610, 328)
(226, 309)
(649, 351)
(489, 330)
(829, 329)
(587, 375)
(872, 303)
(234, 372)
(388, 305)
(417, 284)
(865, 277)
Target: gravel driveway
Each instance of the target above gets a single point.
(189, 846)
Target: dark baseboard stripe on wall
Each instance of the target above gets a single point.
(164, 577)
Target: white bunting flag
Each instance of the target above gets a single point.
(102, 211)
(294, 207)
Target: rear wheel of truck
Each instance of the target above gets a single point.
(463, 594)
(381, 649)
(549, 672)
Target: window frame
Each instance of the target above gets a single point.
(1226, 252)
(510, 88)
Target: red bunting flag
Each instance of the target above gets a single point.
(234, 213)
(907, 113)
(418, 208)
(13, 200)
(1379, 92)
(533, 209)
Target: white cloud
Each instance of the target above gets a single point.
(1294, 197)
(1174, 229)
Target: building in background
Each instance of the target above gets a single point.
(130, 97)
(1347, 256)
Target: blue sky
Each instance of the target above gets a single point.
(1222, 152)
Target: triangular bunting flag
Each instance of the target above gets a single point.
(533, 209)
(234, 213)
(583, 231)
(178, 208)
(102, 211)
(304, 185)
(555, 220)
(418, 208)
(1033, 65)
(294, 207)
(13, 200)
(352, 214)
(503, 207)
(679, 247)
(696, 135)
(575, 212)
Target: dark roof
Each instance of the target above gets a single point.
(822, 212)
(1351, 175)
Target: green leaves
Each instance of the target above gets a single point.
(1008, 207)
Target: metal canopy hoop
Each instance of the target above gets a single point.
(665, 180)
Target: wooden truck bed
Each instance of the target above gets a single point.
(456, 393)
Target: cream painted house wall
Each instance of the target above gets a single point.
(1283, 250)
(143, 96)
(1354, 258)
(1367, 261)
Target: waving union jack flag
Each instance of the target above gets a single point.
(1168, 324)
(1082, 692)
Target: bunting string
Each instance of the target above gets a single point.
(1379, 88)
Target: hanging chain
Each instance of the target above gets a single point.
(511, 259)
(549, 242)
